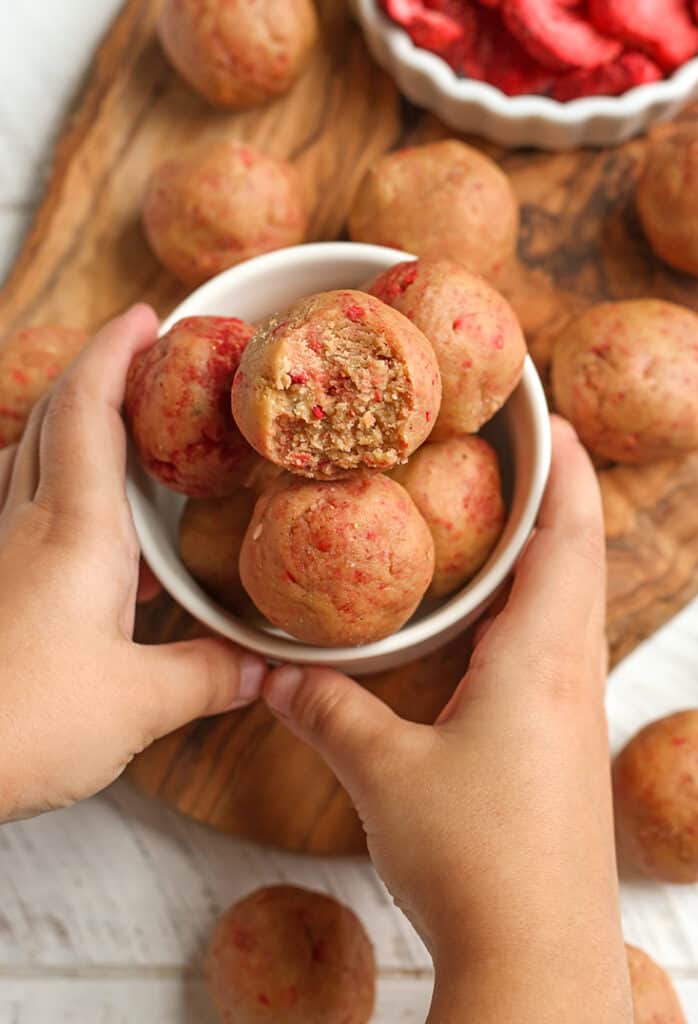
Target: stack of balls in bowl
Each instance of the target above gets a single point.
(564, 49)
(331, 453)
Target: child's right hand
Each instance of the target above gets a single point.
(493, 829)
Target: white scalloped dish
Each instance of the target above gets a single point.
(471, 106)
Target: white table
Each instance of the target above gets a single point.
(104, 907)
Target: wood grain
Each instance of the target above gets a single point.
(85, 259)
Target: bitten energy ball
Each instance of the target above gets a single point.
(30, 361)
(285, 955)
(667, 200)
(237, 53)
(211, 531)
(338, 563)
(456, 486)
(219, 205)
(654, 997)
(178, 407)
(444, 200)
(626, 375)
(474, 331)
(338, 382)
(655, 782)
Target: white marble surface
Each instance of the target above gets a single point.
(104, 907)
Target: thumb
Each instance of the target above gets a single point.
(351, 728)
(192, 679)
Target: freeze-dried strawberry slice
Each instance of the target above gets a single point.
(661, 27)
(557, 35)
(495, 56)
(613, 79)
(427, 28)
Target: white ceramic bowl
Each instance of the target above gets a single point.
(471, 106)
(521, 433)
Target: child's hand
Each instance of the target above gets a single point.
(493, 829)
(79, 698)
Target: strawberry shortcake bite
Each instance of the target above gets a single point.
(337, 563)
(178, 407)
(338, 382)
(474, 331)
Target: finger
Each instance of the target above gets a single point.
(83, 443)
(7, 461)
(149, 585)
(25, 471)
(560, 581)
(554, 618)
(192, 679)
(490, 616)
(348, 726)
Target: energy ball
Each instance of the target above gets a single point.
(444, 200)
(474, 331)
(210, 537)
(626, 375)
(655, 781)
(220, 205)
(456, 486)
(667, 200)
(338, 382)
(285, 955)
(654, 997)
(30, 361)
(236, 53)
(178, 406)
(337, 563)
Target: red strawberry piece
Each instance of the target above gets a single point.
(558, 36)
(498, 58)
(427, 28)
(661, 27)
(613, 79)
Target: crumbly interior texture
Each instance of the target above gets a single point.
(667, 199)
(655, 781)
(211, 531)
(443, 200)
(30, 361)
(337, 563)
(456, 486)
(337, 383)
(655, 1000)
(285, 954)
(236, 53)
(220, 204)
(626, 375)
(178, 407)
(474, 331)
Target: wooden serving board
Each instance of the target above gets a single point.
(86, 259)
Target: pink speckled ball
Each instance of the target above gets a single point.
(475, 333)
(338, 382)
(218, 205)
(285, 955)
(456, 486)
(30, 361)
(337, 563)
(178, 407)
(625, 374)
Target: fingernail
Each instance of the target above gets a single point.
(252, 673)
(282, 688)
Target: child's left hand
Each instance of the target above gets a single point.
(79, 697)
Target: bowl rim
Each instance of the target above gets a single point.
(521, 108)
(441, 620)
